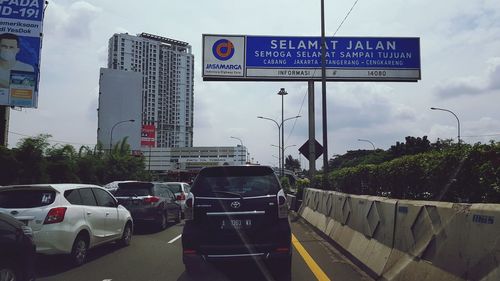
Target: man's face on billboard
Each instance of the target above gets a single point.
(8, 49)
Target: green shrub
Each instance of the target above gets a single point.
(462, 173)
(301, 184)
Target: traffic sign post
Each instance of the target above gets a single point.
(305, 150)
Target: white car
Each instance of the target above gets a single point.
(181, 191)
(68, 218)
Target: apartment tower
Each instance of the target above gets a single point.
(167, 70)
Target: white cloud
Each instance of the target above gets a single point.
(443, 132)
(71, 22)
(473, 85)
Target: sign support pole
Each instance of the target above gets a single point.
(323, 89)
(312, 131)
(4, 125)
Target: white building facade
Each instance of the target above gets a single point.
(167, 70)
(193, 158)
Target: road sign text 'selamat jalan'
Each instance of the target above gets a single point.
(241, 57)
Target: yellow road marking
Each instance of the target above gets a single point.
(316, 270)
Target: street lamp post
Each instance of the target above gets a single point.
(285, 146)
(458, 121)
(241, 146)
(368, 141)
(112, 128)
(279, 137)
(283, 152)
(282, 93)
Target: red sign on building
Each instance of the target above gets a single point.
(148, 136)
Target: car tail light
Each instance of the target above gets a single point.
(189, 202)
(189, 252)
(151, 199)
(189, 210)
(282, 250)
(282, 206)
(181, 197)
(55, 215)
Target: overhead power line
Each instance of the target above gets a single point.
(335, 33)
(346, 16)
(51, 140)
(478, 136)
(340, 25)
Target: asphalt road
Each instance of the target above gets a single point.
(155, 256)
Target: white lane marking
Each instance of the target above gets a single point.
(175, 239)
(107, 280)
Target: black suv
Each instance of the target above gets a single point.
(150, 202)
(237, 212)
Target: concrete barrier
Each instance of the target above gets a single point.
(410, 240)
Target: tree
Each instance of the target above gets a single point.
(89, 163)
(121, 165)
(9, 167)
(61, 164)
(35, 161)
(358, 157)
(411, 146)
(30, 153)
(291, 163)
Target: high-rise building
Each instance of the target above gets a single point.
(167, 68)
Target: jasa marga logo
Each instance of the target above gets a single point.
(223, 50)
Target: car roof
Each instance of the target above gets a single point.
(60, 187)
(233, 166)
(229, 167)
(138, 182)
(127, 183)
(114, 184)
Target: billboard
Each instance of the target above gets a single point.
(285, 58)
(148, 136)
(20, 43)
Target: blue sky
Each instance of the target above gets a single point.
(460, 51)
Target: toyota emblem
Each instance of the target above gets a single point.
(235, 204)
(14, 213)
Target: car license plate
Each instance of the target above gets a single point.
(236, 224)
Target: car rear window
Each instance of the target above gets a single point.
(134, 189)
(73, 196)
(246, 181)
(175, 188)
(26, 198)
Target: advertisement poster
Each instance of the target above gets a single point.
(20, 42)
(148, 136)
(22, 88)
